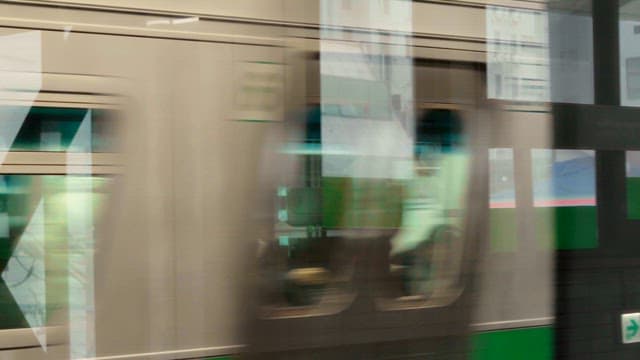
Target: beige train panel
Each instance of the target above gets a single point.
(16, 338)
(36, 353)
(60, 158)
(81, 83)
(519, 4)
(446, 84)
(429, 19)
(60, 169)
(74, 105)
(429, 26)
(182, 154)
(73, 100)
(265, 10)
(68, 22)
(449, 54)
(525, 129)
(175, 227)
(78, 84)
(254, 9)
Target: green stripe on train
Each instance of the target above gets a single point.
(523, 344)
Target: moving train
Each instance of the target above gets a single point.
(281, 179)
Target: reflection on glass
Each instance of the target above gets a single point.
(571, 54)
(564, 190)
(47, 262)
(517, 54)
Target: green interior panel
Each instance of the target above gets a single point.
(522, 344)
(304, 206)
(361, 203)
(503, 229)
(633, 198)
(16, 205)
(545, 231)
(576, 227)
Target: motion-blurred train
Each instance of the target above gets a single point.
(278, 179)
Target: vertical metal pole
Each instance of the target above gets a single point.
(606, 52)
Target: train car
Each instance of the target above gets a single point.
(305, 179)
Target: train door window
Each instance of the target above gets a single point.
(564, 197)
(426, 252)
(629, 30)
(633, 78)
(502, 200)
(303, 269)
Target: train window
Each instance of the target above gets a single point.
(629, 55)
(47, 229)
(571, 52)
(515, 69)
(633, 184)
(305, 270)
(633, 78)
(564, 196)
(56, 129)
(502, 200)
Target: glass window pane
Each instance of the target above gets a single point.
(47, 229)
(564, 196)
(629, 28)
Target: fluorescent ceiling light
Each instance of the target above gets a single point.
(185, 20)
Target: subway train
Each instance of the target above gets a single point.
(310, 179)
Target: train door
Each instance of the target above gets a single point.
(360, 266)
